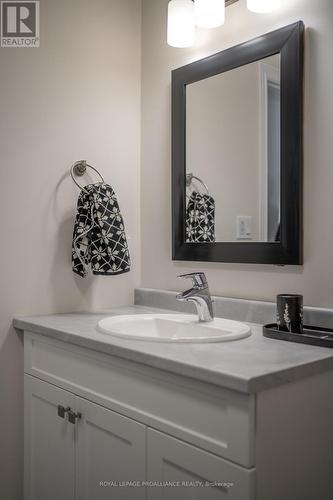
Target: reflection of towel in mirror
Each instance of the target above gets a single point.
(99, 238)
(200, 218)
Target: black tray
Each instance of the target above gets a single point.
(312, 335)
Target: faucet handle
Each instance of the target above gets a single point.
(199, 279)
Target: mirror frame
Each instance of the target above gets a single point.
(289, 42)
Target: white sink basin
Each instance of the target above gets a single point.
(173, 328)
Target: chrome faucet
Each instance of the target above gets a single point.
(200, 295)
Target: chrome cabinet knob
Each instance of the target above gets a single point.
(72, 417)
(62, 411)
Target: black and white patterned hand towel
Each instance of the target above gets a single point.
(200, 218)
(99, 238)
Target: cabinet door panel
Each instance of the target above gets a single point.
(179, 471)
(49, 458)
(110, 451)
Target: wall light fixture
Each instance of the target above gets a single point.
(184, 15)
(263, 6)
(181, 26)
(209, 13)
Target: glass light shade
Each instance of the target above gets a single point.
(181, 27)
(263, 6)
(209, 13)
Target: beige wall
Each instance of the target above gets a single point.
(315, 278)
(77, 96)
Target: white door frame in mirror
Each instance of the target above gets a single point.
(268, 74)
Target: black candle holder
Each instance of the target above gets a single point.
(289, 313)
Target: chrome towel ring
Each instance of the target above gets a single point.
(189, 179)
(79, 168)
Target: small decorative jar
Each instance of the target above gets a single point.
(289, 313)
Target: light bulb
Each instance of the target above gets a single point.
(209, 13)
(263, 6)
(181, 27)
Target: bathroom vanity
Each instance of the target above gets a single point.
(243, 420)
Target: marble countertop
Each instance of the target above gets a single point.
(248, 365)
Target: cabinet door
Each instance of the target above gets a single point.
(110, 451)
(179, 471)
(48, 443)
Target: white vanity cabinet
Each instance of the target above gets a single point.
(150, 427)
(136, 424)
(102, 451)
(70, 460)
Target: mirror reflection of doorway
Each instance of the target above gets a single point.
(273, 164)
(270, 99)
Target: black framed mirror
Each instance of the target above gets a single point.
(237, 119)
